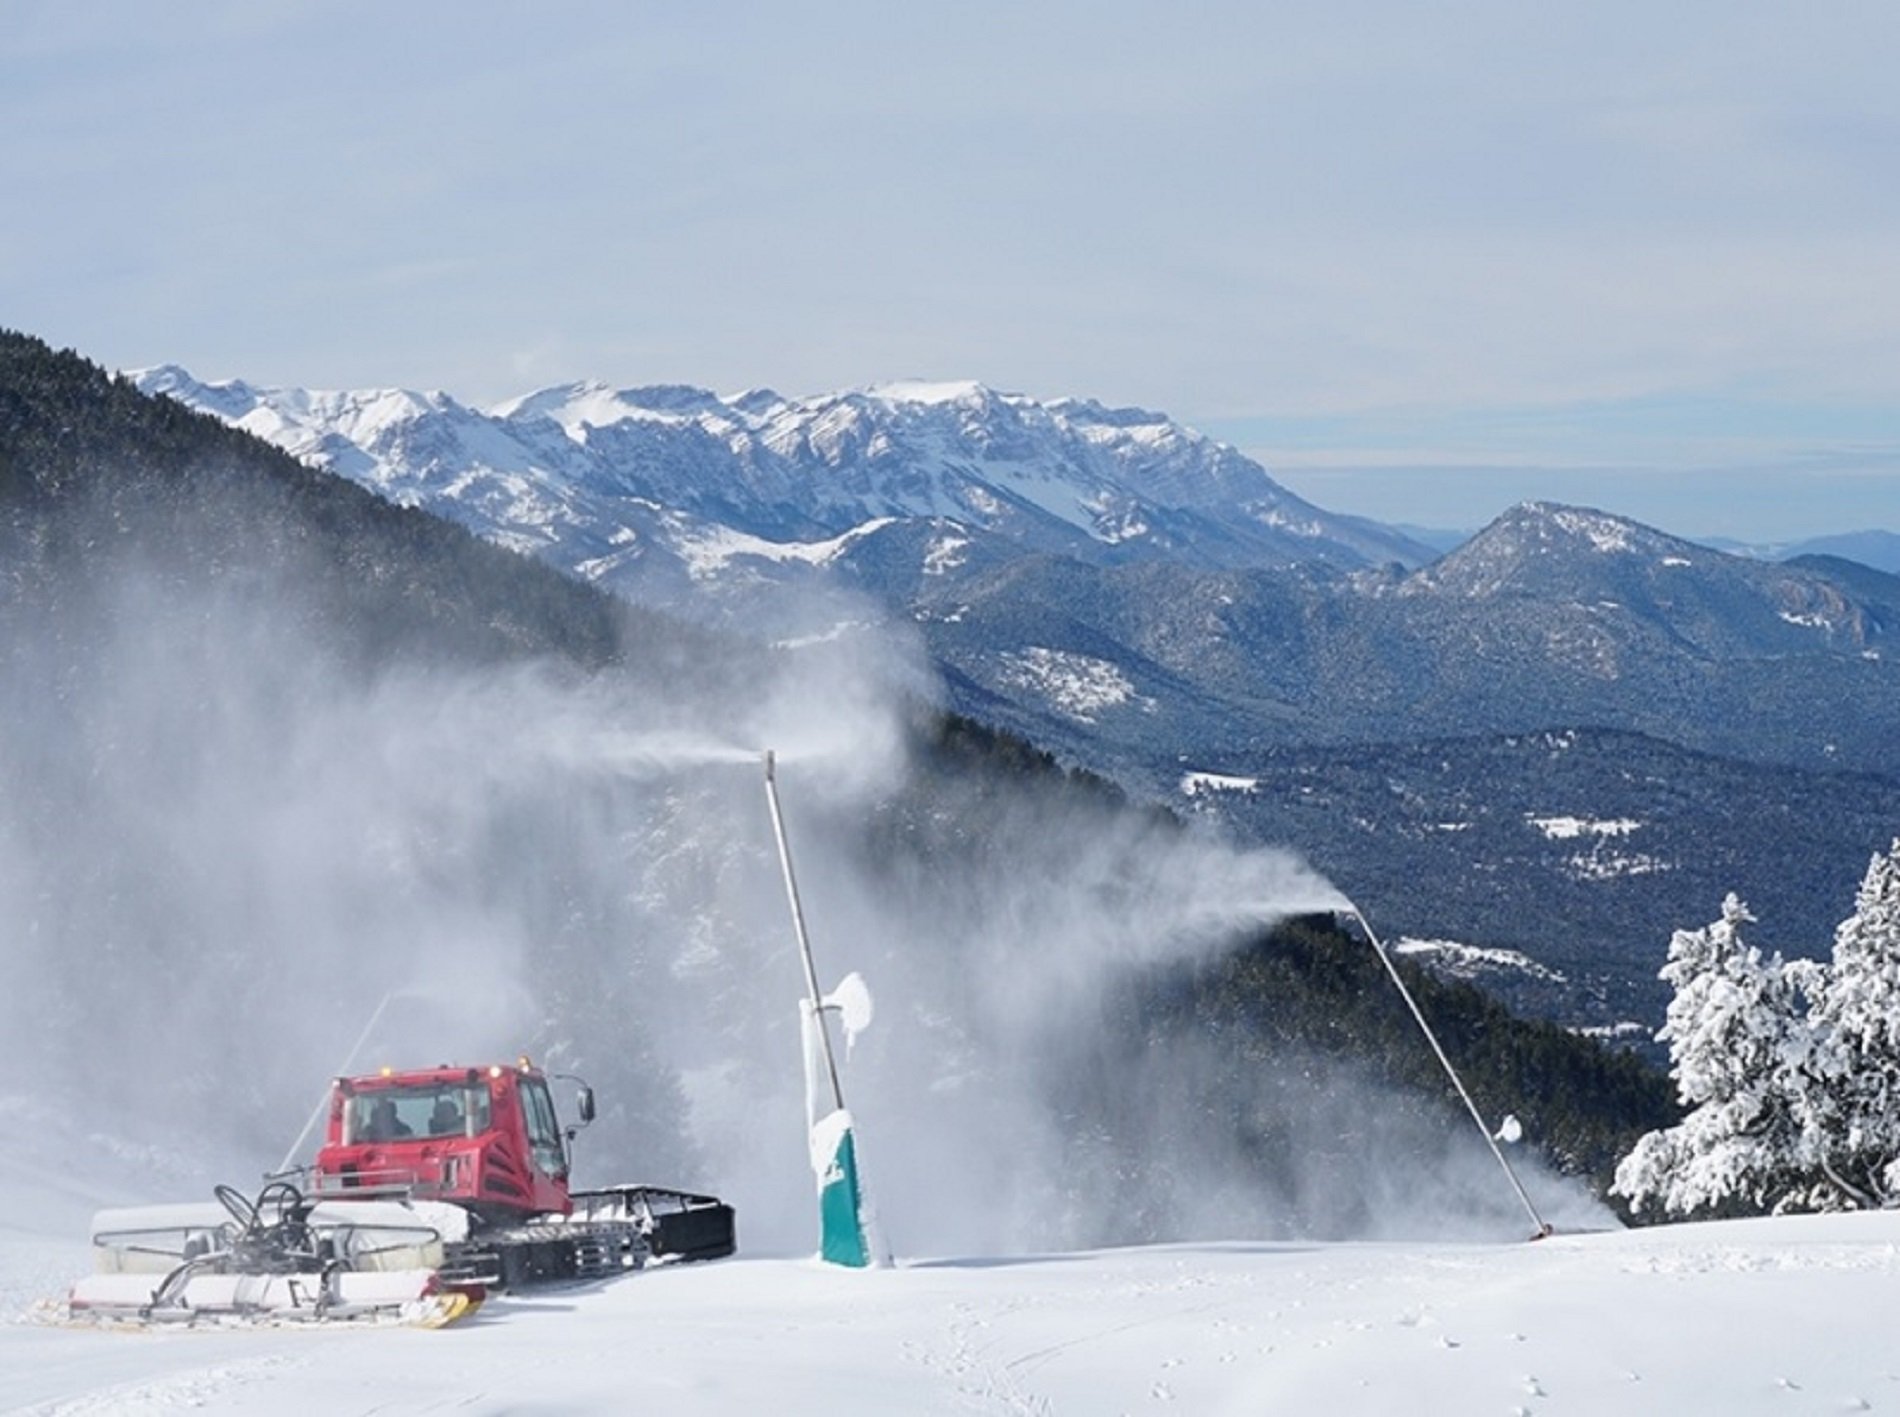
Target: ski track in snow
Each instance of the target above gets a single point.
(192, 1390)
(1754, 1317)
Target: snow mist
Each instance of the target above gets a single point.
(224, 847)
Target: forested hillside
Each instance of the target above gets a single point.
(92, 470)
(1583, 848)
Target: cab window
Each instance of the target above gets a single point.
(416, 1110)
(544, 1130)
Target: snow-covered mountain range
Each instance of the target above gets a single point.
(1111, 582)
(647, 490)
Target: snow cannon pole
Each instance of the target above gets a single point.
(845, 1237)
(1542, 1226)
(283, 1167)
(798, 926)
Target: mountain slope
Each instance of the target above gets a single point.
(1552, 617)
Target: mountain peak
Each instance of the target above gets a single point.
(230, 399)
(590, 403)
(1555, 524)
(931, 391)
(1543, 528)
(1536, 545)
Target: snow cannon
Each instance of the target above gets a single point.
(847, 1223)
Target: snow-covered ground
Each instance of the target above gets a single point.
(1754, 1317)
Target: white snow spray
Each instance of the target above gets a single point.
(222, 845)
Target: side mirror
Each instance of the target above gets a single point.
(585, 1104)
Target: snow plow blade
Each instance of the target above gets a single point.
(368, 1235)
(678, 1226)
(408, 1295)
(281, 1256)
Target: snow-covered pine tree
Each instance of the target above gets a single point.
(1853, 1104)
(1738, 1048)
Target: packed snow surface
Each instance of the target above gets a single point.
(1776, 1316)
(1783, 1316)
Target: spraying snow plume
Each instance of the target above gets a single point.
(224, 844)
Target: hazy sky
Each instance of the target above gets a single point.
(1423, 260)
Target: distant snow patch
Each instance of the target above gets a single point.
(946, 553)
(1035, 484)
(1297, 526)
(1601, 862)
(1463, 959)
(1604, 533)
(1601, 865)
(1624, 1030)
(1078, 685)
(709, 553)
(1115, 530)
(1196, 784)
(597, 568)
(982, 501)
(1571, 828)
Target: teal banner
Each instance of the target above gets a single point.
(840, 1206)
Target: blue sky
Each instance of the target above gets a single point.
(1424, 261)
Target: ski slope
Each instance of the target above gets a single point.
(1753, 1317)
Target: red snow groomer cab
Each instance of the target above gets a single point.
(487, 1139)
